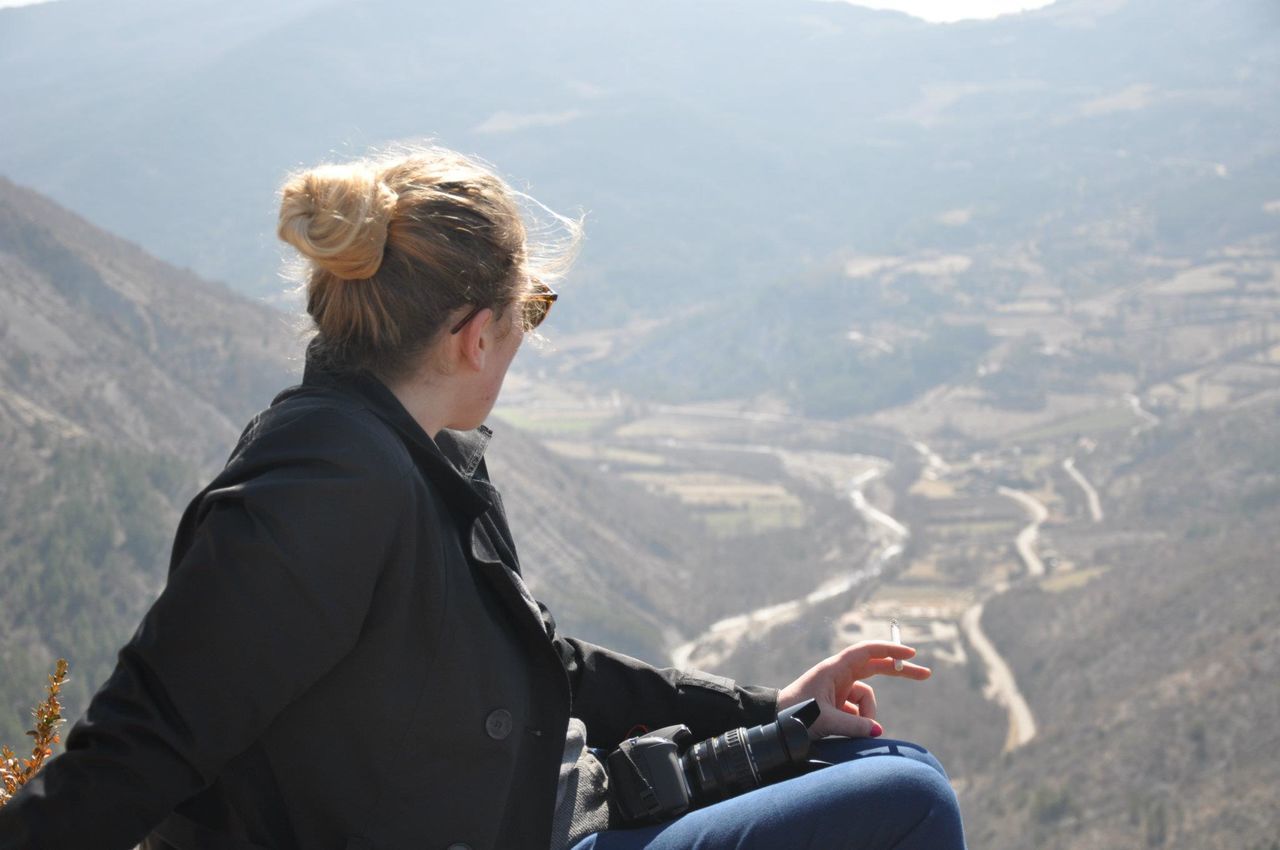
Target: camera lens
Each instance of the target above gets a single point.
(720, 767)
(736, 761)
(778, 744)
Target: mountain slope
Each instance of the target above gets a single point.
(102, 338)
(123, 382)
(1154, 683)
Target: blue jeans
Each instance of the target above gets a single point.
(877, 795)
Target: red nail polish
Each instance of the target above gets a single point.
(876, 730)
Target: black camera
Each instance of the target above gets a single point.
(658, 776)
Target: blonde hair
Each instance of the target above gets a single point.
(395, 245)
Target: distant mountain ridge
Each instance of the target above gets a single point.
(723, 149)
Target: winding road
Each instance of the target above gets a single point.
(888, 536)
(723, 637)
(1002, 687)
(1149, 419)
(1090, 494)
(1026, 542)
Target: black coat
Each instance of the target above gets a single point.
(346, 657)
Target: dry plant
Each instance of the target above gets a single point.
(15, 772)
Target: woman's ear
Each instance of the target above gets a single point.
(472, 343)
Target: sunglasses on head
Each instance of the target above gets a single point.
(537, 304)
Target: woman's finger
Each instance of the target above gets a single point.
(862, 699)
(860, 652)
(848, 725)
(884, 667)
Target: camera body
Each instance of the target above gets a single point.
(658, 776)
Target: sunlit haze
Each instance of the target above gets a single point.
(949, 11)
(937, 11)
(956, 315)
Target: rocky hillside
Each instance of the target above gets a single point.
(123, 381)
(103, 341)
(1153, 674)
(612, 561)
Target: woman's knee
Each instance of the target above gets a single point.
(935, 811)
(839, 750)
(903, 799)
(917, 753)
(924, 780)
(903, 770)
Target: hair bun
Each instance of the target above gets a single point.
(337, 216)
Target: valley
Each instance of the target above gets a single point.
(902, 320)
(941, 513)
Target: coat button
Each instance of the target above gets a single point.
(498, 724)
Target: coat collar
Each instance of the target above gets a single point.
(453, 460)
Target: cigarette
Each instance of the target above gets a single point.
(895, 635)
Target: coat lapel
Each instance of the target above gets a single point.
(454, 462)
(490, 556)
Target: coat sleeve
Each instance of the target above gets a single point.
(271, 592)
(613, 693)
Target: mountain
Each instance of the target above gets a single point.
(124, 383)
(1006, 258)
(103, 341)
(732, 157)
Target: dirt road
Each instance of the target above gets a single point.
(1090, 494)
(1001, 686)
(1026, 542)
(722, 638)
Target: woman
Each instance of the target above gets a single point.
(344, 655)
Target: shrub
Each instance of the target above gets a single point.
(15, 772)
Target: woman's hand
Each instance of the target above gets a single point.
(848, 704)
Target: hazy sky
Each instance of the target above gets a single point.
(953, 10)
(930, 10)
